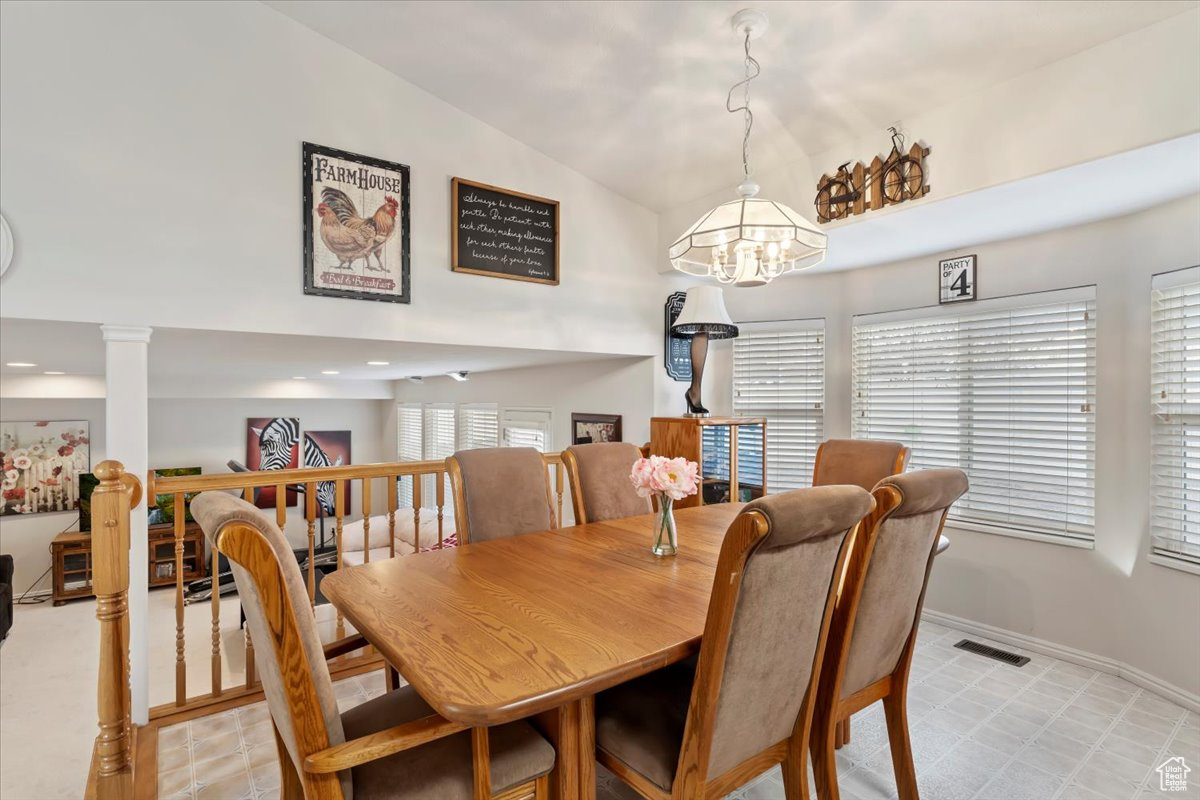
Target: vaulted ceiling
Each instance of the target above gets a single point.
(632, 94)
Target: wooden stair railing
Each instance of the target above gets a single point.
(111, 776)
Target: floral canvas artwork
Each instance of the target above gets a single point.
(42, 462)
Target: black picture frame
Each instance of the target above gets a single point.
(677, 350)
(579, 435)
(400, 292)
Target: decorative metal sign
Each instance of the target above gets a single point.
(956, 279)
(887, 181)
(677, 349)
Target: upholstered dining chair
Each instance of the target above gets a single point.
(874, 629)
(746, 705)
(393, 746)
(860, 462)
(599, 478)
(499, 492)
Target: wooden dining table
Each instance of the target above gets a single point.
(536, 625)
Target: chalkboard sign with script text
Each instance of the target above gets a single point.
(503, 234)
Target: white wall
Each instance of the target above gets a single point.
(1110, 601)
(151, 168)
(188, 433)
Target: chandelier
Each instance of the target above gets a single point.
(752, 240)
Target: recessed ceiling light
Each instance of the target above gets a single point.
(299, 378)
(461, 375)
(329, 372)
(415, 379)
(19, 364)
(378, 363)
(53, 372)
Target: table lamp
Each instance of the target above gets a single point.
(702, 317)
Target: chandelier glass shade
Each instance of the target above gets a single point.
(749, 241)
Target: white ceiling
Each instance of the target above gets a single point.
(77, 349)
(634, 92)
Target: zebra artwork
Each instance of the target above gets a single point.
(315, 456)
(272, 443)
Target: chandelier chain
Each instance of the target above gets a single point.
(752, 71)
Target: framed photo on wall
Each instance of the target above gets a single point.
(591, 428)
(356, 226)
(43, 464)
(272, 443)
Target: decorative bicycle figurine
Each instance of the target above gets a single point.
(887, 181)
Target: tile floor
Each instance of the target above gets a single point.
(981, 730)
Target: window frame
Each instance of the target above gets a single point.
(1164, 282)
(1029, 300)
(788, 326)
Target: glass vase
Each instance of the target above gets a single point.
(666, 541)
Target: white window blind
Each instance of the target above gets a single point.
(526, 428)
(779, 373)
(440, 436)
(1175, 442)
(478, 426)
(1005, 391)
(409, 444)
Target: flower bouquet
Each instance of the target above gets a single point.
(667, 479)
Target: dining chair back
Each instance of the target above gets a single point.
(877, 614)
(500, 492)
(599, 478)
(859, 462)
(394, 745)
(748, 704)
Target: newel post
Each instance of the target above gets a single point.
(111, 501)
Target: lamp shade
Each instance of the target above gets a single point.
(704, 312)
(748, 242)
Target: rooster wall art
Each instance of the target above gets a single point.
(356, 229)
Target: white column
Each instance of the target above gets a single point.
(126, 429)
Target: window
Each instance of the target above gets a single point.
(409, 444)
(522, 427)
(779, 373)
(1175, 398)
(478, 426)
(1005, 391)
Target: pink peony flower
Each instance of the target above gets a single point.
(674, 477)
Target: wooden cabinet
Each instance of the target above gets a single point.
(162, 554)
(731, 452)
(71, 560)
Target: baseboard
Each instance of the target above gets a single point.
(33, 593)
(1083, 658)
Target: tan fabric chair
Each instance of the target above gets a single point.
(746, 706)
(389, 747)
(499, 492)
(600, 485)
(859, 462)
(874, 631)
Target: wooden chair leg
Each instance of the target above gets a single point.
(541, 788)
(795, 772)
(481, 764)
(823, 762)
(290, 786)
(895, 710)
(845, 731)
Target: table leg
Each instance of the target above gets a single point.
(572, 730)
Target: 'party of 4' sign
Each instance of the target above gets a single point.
(956, 279)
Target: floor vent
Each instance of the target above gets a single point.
(993, 652)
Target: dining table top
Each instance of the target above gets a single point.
(495, 631)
